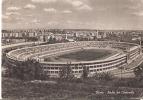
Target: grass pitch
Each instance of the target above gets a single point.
(83, 55)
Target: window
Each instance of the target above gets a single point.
(56, 67)
(91, 70)
(52, 71)
(91, 66)
(76, 71)
(52, 67)
(56, 72)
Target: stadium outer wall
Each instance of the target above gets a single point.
(130, 53)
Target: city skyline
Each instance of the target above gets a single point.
(73, 14)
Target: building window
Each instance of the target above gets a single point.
(91, 66)
(91, 70)
(76, 71)
(56, 72)
(56, 67)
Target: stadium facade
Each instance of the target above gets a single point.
(127, 52)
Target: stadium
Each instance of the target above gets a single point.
(107, 56)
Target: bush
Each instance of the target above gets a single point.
(27, 70)
(103, 76)
(139, 72)
(85, 72)
(66, 73)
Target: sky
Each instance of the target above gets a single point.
(72, 14)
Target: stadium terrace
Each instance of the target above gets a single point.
(126, 53)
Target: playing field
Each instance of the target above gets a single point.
(82, 55)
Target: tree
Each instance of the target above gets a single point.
(52, 40)
(138, 71)
(103, 76)
(27, 70)
(66, 72)
(4, 59)
(85, 72)
(121, 69)
(34, 68)
(44, 38)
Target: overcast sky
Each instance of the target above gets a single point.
(85, 14)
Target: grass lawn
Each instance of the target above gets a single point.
(83, 55)
(13, 89)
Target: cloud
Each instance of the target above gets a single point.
(30, 6)
(136, 7)
(11, 19)
(75, 3)
(35, 21)
(79, 4)
(12, 13)
(67, 11)
(50, 10)
(13, 8)
(44, 1)
(85, 7)
(138, 13)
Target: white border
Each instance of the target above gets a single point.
(0, 48)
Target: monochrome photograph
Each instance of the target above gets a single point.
(72, 50)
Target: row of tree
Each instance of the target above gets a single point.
(66, 73)
(27, 70)
(32, 70)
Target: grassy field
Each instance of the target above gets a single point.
(83, 55)
(13, 89)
